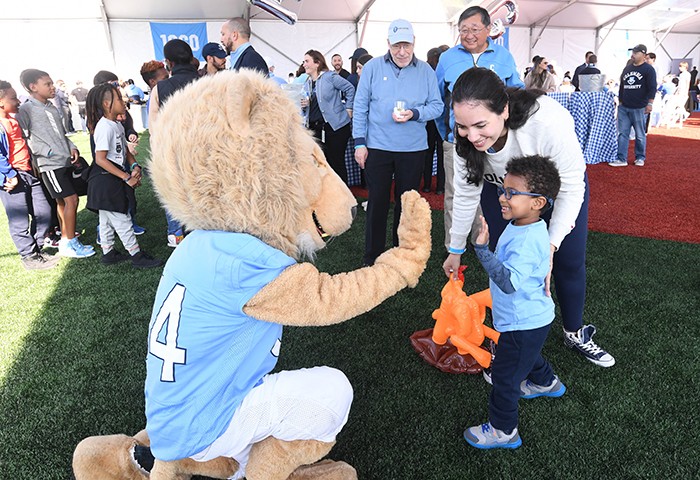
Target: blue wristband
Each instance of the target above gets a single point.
(456, 251)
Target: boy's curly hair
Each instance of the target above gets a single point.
(541, 174)
(4, 87)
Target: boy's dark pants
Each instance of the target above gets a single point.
(518, 357)
(25, 200)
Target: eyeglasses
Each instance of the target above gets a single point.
(509, 192)
(397, 47)
(473, 30)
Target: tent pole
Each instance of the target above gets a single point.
(601, 42)
(687, 55)
(364, 28)
(108, 31)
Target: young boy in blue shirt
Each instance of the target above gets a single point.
(522, 310)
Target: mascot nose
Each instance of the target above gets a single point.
(353, 211)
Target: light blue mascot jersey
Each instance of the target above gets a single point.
(204, 353)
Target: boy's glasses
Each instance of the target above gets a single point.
(509, 192)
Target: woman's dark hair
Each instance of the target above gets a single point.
(93, 103)
(481, 86)
(540, 173)
(364, 59)
(318, 59)
(29, 76)
(538, 77)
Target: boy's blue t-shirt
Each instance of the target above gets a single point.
(525, 252)
(205, 354)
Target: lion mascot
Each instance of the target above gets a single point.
(232, 161)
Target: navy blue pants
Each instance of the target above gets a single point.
(28, 213)
(569, 270)
(518, 357)
(406, 168)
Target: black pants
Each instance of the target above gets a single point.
(434, 143)
(334, 146)
(381, 166)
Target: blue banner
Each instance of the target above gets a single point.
(503, 40)
(195, 34)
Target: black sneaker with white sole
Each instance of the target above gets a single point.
(113, 256)
(582, 341)
(144, 260)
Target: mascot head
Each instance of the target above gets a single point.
(229, 152)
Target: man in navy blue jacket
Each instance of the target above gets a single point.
(637, 92)
(235, 36)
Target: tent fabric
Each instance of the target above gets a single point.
(114, 34)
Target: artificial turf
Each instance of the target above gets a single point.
(73, 345)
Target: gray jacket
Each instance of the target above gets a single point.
(329, 86)
(42, 127)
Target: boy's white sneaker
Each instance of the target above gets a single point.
(74, 249)
(486, 437)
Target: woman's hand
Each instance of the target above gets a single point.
(451, 265)
(483, 237)
(548, 278)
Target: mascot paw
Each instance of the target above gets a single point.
(412, 254)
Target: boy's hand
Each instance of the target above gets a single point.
(134, 181)
(548, 278)
(483, 237)
(74, 154)
(10, 184)
(133, 138)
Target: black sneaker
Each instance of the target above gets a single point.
(38, 261)
(582, 341)
(144, 260)
(113, 256)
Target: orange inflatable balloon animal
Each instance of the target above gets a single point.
(461, 319)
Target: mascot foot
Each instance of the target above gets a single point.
(326, 470)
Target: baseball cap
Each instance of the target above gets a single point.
(214, 49)
(401, 31)
(640, 48)
(358, 53)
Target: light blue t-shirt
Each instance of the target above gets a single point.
(524, 251)
(204, 353)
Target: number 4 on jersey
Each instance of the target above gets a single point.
(168, 318)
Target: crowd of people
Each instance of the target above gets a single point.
(522, 195)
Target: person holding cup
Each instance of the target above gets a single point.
(327, 105)
(396, 96)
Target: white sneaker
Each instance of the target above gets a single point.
(617, 163)
(639, 163)
(175, 240)
(486, 437)
(74, 249)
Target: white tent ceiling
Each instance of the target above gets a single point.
(678, 16)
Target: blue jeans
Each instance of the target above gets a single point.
(174, 227)
(631, 118)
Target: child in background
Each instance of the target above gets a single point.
(115, 170)
(21, 192)
(53, 153)
(522, 311)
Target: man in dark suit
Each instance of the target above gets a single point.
(235, 36)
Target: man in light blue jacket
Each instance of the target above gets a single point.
(475, 49)
(396, 96)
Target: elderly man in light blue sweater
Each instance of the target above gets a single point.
(396, 96)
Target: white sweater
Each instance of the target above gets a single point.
(549, 132)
